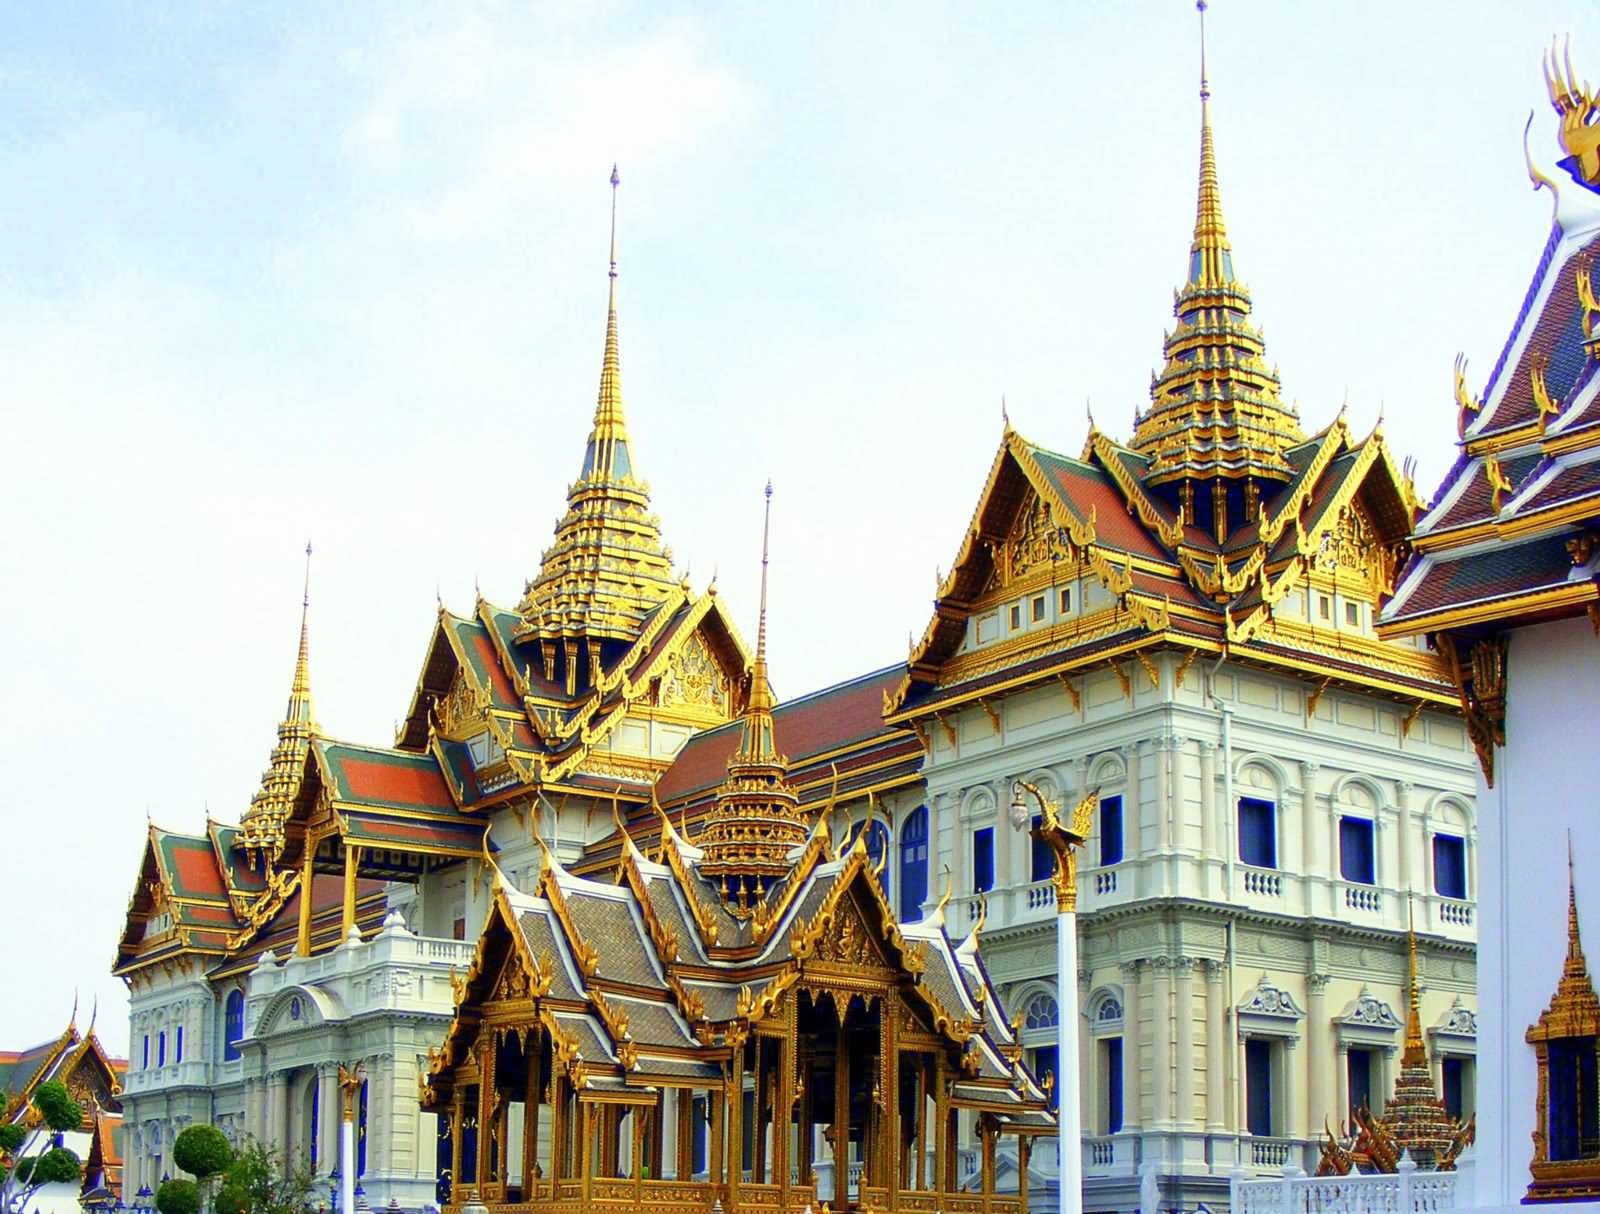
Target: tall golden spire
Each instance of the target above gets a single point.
(756, 821)
(263, 821)
(607, 569)
(1415, 1052)
(1215, 409)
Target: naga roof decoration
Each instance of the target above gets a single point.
(607, 569)
(263, 821)
(1215, 409)
(1513, 536)
(1221, 529)
(1414, 1120)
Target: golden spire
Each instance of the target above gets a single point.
(607, 569)
(1215, 408)
(606, 457)
(1576, 968)
(263, 821)
(1414, 1050)
(756, 822)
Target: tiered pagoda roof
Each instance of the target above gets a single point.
(75, 1058)
(1210, 531)
(1513, 536)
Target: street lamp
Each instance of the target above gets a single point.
(1062, 838)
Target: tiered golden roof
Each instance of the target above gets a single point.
(608, 569)
(262, 823)
(751, 833)
(1215, 409)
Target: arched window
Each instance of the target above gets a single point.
(232, 1024)
(914, 864)
(1110, 1010)
(877, 846)
(1041, 1013)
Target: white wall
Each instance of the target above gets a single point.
(1545, 786)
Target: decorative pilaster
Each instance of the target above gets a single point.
(1161, 1040)
(1310, 863)
(1183, 967)
(1132, 1048)
(1408, 878)
(1210, 825)
(1133, 810)
(1216, 1049)
(1163, 747)
(1317, 1056)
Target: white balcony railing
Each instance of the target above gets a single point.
(1362, 898)
(1263, 882)
(1407, 1191)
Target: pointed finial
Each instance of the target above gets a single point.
(1005, 417)
(616, 180)
(761, 625)
(72, 1021)
(1205, 85)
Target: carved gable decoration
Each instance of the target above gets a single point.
(1035, 542)
(463, 707)
(1458, 1021)
(694, 678)
(850, 940)
(1352, 552)
(513, 982)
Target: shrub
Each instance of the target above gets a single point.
(202, 1151)
(178, 1197)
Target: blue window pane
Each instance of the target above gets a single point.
(146, 1063)
(1042, 863)
(1360, 1079)
(232, 1025)
(1450, 866)
(983, 859)
(914, 864)
(698, 1119)
(161, 1049)
(1258, 1087)
(1111, 830)
(1113, 1048)
(1258, 835)
(1355, 850)
(179, 1056)
(1455, 1085)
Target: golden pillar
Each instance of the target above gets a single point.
(530, 1119)
(303, 945)
(458, 1102)
(586, 1152)
(736, 1127)
(352, 857)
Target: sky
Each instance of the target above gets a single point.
(279, 271)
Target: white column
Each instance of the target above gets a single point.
(1341, 1083)
(1294, 1114)
(347, 1159)
(1133, 809)
(1185, 1051)
(1163, 808)
(1069, 1123)
(1216, 1050)
(1132, 1054)
(1408, 876)
(328, 1115)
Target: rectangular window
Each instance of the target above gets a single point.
(747, 1147)
(1110, 830)
(1037, 610)
(1450, 866)
(1356, 860)
(1258, 832)
(1066, 600)
(1046, 1061)
(1457, 1086)
(1359, 1068)
(1111, 1050)
(161, 1048)
(1324, 606)
(179, 1043)
(986, 628)
(1042, 862)
(1016, 616)
(1574, 1130)
(458, 929)
(1352, 614)
(983, 859)
(1258, 1087)
(146, 1063)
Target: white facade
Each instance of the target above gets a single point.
(1187, 954)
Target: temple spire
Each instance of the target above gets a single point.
(756, 822)
(1215, 411)
(263, 821)
(607, 454)
(1415, 1052)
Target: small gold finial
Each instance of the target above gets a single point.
(616, 180)
(1205, 85)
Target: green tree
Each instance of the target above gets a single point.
(28, 1165)
(205, 1153)
(256, 1182)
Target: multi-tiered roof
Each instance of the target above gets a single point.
(1220, 527)
(1513, 536)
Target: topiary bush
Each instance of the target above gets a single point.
(178, 1197)
(56, 1105)
(12, 1136)
(56, 1166)
(202, 1151)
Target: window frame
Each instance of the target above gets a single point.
(1460, 843)
(1349, 824)
(914, 838)
(982, 841)
(230, 1038)
(1270, 811)
(1106, 804)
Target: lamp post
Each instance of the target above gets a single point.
(1063, 838)
(350, 1080)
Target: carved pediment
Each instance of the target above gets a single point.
(1264, 999)
(1458, 1021)
(1353, 552)
(463, 708)
(1369, 1012)
(1035, 542)
(694, 678)
(849, 940)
